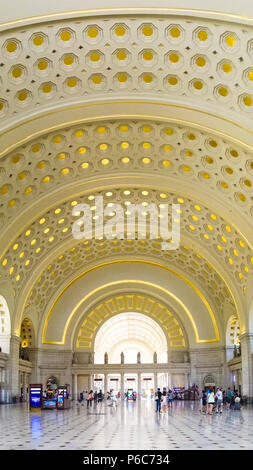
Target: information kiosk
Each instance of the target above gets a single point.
(35, 396)
(63, 401)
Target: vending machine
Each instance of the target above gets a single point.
(130, 395)
(35, 396)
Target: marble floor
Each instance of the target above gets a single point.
(128, 426)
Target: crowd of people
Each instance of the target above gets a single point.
(211, 400)
(98, 397)
(163, 400)
(214, 401)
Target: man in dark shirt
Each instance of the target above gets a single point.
(158, 400)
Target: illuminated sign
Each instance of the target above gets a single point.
(60, 401)
(35, 397)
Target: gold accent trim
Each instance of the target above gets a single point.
(216, 339)
(102, 311)
(124, 11)
(130, 185)
(123, 116)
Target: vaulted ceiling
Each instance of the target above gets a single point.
(138, 106)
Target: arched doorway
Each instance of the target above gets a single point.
(130, 333)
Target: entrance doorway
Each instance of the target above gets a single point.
(147, 386)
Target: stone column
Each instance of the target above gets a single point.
(186, 380)
(155, 381)
(169, 354)
(75, 387)
(90, 382)
(122, 385)
(105, 383)
(34, 358)
(247, 364)
(139, 385)
(13, 366)
(26, 380)
(169, 380)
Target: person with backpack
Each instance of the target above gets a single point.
(229, 395)
(237, 402)
(100, 396)
(158, 400)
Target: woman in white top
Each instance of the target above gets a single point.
(211, 401)
(164, 402)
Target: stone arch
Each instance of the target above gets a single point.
(131, 302)
(209, 380)
(130, 332)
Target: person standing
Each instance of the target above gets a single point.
(85, 396)
(158, 400)
(204, 402)
(114, 401)
(228, 397)
(100, 396)
(219, 396)
(90, 398)
(170, 398)
(237, 402)
(164, 402)
(211, 401)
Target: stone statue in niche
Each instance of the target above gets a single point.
(106, 358)
(138, 358)
(122, 358)
(155, 357)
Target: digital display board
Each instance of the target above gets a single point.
(130, 394)
(50, 403)
(60, 401)
(35, 397)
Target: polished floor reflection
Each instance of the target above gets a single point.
(129, 426)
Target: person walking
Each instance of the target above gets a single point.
(90, 398)
(85, 396)
(204, 402)
(164, 402)
(114, 400)
(100, 396)
(210, 401)
(158, 400)
(170, 398)
(237, 402)
(228, 398)
(219, 396)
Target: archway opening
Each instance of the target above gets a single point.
(130, 333)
